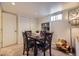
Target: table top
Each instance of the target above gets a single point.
(36, 37)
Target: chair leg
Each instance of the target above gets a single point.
(23, 51)
(50, 50)
(44, 53)
(27, 51)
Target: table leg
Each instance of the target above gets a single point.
(35, 48)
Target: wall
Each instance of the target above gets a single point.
(25, 24)
(0, 29)
(70, 5)
(43, 20)
(61, 30)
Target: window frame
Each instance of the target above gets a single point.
(55, 17)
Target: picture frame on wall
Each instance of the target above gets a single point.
(74, 16)
(45, 26)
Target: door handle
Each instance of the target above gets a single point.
(0, 30)
(15, 30)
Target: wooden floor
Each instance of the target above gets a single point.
(16, 50)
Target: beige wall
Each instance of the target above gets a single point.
(70, 5)
(0, 28)
(25, 24)
(61, 30)
(43, 20)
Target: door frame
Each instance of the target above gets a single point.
(2, 11)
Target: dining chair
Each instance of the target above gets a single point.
(28, 43)
(29, 33)
(46, 43)
(42, 33)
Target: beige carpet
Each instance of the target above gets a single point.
(16, 50)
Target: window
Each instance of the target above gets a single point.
(56, 17)
(59, 17)
(53, 18)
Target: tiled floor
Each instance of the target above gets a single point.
(16, 50)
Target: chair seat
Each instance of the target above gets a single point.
(45, 44)
(42, 46)
(30, 44)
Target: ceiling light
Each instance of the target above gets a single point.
(13, 3)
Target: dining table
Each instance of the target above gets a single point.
(37, 39)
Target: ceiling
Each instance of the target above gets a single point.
(33, 9)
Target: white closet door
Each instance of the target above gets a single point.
(9, 29)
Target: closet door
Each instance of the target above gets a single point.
(9, 29)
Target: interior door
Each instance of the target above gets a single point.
(75, 39)
(9, 29)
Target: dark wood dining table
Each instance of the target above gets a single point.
(36, 39)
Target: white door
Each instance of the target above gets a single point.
(9, 29)
(75, 39)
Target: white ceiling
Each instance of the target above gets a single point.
(33, 9)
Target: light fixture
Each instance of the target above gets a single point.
(13, 3)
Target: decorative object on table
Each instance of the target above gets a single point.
(37, 33)
(74, 16)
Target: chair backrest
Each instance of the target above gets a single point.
(48, 37)
(24, 39)
(42, 33)
(28, 33)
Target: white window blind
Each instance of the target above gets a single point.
(56, 17)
